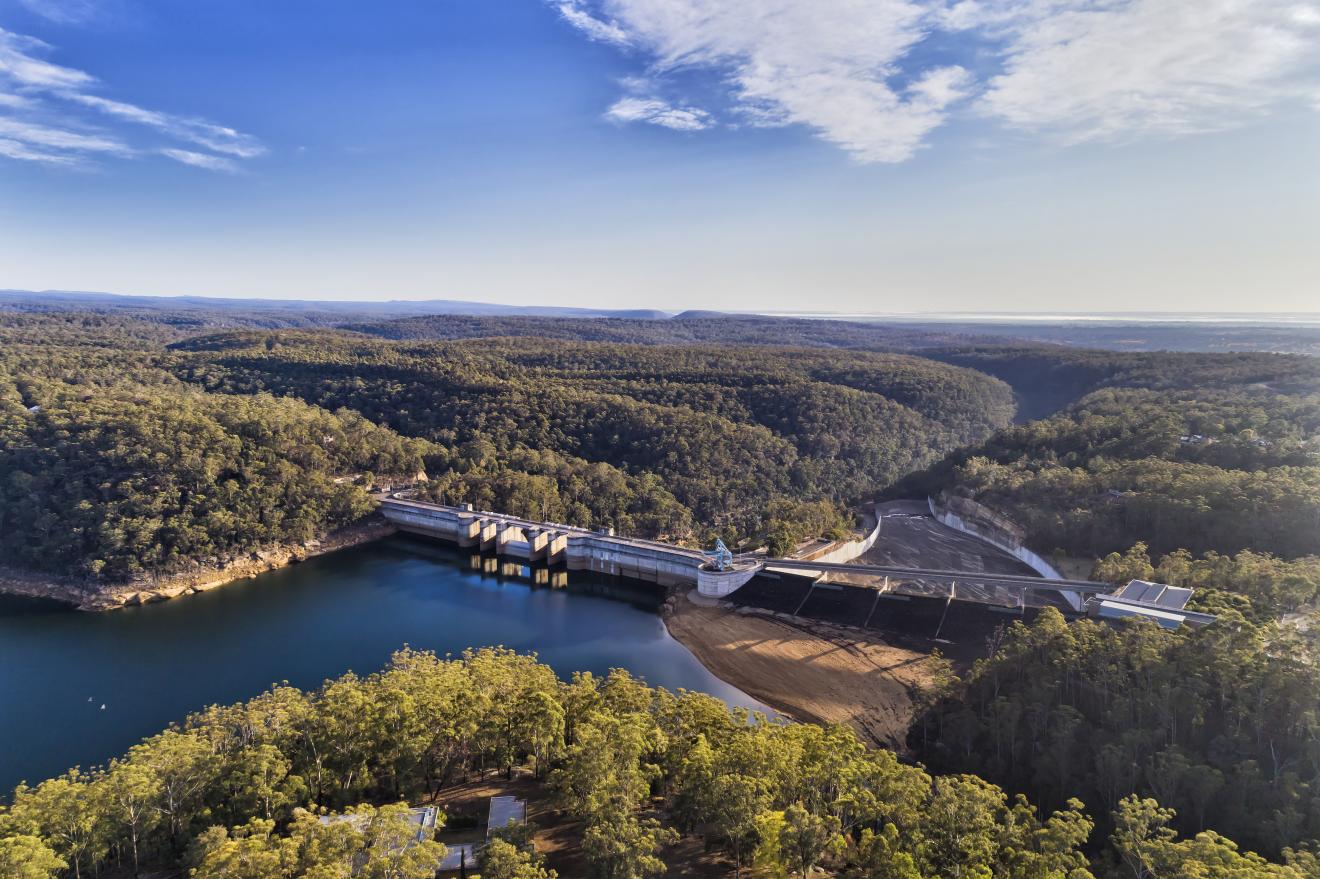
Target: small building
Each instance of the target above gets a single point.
(459, 858)
(503, 812)
(1165, 605)
(423, 819)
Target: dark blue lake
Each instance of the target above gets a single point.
(303, 624)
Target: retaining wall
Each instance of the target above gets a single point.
(980, 522)
(843, 551)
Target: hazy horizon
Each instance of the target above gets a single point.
(1151, 316)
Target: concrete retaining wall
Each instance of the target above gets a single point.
(719, 584)
(843, 551)
(980, 527)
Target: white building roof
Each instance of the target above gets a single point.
(503, 811)
(1156, 594)
(422, 818)
(455, 855)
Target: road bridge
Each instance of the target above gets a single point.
(1080, 586)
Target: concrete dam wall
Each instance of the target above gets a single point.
(583, 550)
(578, 548)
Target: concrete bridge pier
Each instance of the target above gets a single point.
(469, 532)
(536, 541)
(556, 547)
(488, 534)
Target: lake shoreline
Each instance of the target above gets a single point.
(804, 669)
(88, 596)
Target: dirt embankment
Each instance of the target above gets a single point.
(87, 595)
(808, 670)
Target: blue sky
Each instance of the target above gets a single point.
(888, 155)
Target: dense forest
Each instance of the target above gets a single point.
(1200, 470)
(111, 468)
(231, 793)
(729, 432)
(132, 446)
(678, 438)
(1218, 724)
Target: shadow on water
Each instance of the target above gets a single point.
(20, 605)
(79, 688)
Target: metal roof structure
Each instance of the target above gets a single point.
(457, 856)
(1165, 605)
(422, 818)
(505, 811)
(1145, 592)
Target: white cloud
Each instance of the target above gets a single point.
(213, 137)
(20, 65)
(658, 112)
(604, 31)
(1123, 69)
(64, 11)
(201, 160)
(61, 139)
(12, 149)
(1085, 69)
(829, 64)
(45, 116)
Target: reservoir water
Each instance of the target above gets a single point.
(149, 666)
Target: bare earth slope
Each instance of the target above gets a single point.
(810, 671)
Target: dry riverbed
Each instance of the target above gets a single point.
(808, 670)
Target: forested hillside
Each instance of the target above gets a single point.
(686, 441)
(110, 467)
(636, 767)
(135, 446)
(122, 456)
(1218, 724)
(728, 431)
(1201, 470)
(689, 328)
(1048, 378)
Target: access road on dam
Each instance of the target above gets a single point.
(664, 563)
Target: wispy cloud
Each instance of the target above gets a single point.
(213, 137)
(1079, 69)
(61, 139)
(13, 149)
(20, 65)
(50, 114)
(64, 11)
(660, 113)
(201, 160)
(1092, 71)
(828, 64)
(575, 13)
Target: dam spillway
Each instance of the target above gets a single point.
(579, 549)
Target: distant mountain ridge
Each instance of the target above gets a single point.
(455, 318)
(65, 299)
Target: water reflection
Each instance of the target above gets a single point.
(348, 610)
